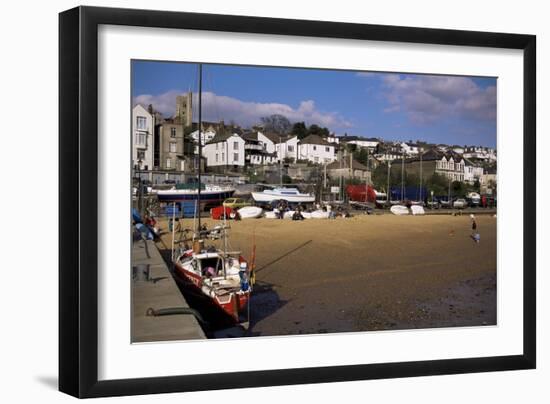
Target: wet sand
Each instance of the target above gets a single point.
(364, 273)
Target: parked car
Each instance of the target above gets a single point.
(432, 204)
(236, 203)
(444, 202)
(460, 203)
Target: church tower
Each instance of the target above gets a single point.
(184, 109)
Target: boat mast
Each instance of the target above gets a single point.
(388, 189)
(420, 187)
(281, 160)
(200, 149)
(402, 175)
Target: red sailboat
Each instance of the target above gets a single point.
(223, 277)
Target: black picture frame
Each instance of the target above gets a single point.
(78, 196)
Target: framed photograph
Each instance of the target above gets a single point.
(251, 201)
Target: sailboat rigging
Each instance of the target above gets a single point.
(221, 276)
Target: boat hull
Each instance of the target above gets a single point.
(232, 306)
(209, 197)
(265, 197)
(250, 212)
(399, 210)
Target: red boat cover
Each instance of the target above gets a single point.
(361, 193)
(217, 212)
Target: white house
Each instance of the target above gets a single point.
(472, 172)
(258, 149)
(284, 146)
(361, 142)
(268, 141)
(206, 135)
(479, 152)
(458, 149)
(143, 124)
(451, 166)
(388, 152)
(224, 150)
(410, 148)
(316, 149)
(237, 150)
(288, 149)
(333, 139)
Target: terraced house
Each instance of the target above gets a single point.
(449, 164)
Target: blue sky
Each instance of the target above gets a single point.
(438, 109)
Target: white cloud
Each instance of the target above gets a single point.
(245, 113)
(428, 99)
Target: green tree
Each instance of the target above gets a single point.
(299, 129)
(362, 155)
(458, 189)
(437, 183)
(379, 177)
(317, 130)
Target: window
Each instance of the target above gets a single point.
(217, 146)
(172, 132)
(216, 157)
(168, 163)
(327, 149)
(223, 156)
(235, 145)
(141, 123)
(141, 155)
(141, 139)
(314, 147)
(316, 159)
(235, 157)
(290, 148)
(173, 146)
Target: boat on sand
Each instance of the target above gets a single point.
(286, 194)
(399, 210)
(250, 212)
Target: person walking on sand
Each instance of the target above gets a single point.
(475, 234)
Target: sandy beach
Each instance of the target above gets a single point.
(372, 272)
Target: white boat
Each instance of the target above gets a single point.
(287, 194)
(417, 210)
(288, 214)
(319, 214)
(211, 194)
(250, 212)
(399, 210)
(270, 214)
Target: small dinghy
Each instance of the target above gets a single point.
(319, 214)
(417, 210)
(270, 215)
(250, 212)
(399, 210)
(288, 214)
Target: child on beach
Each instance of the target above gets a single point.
(475, 235)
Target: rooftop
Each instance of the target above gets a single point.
(315, 139)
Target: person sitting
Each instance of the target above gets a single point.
(297, 215)
(209, 272)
